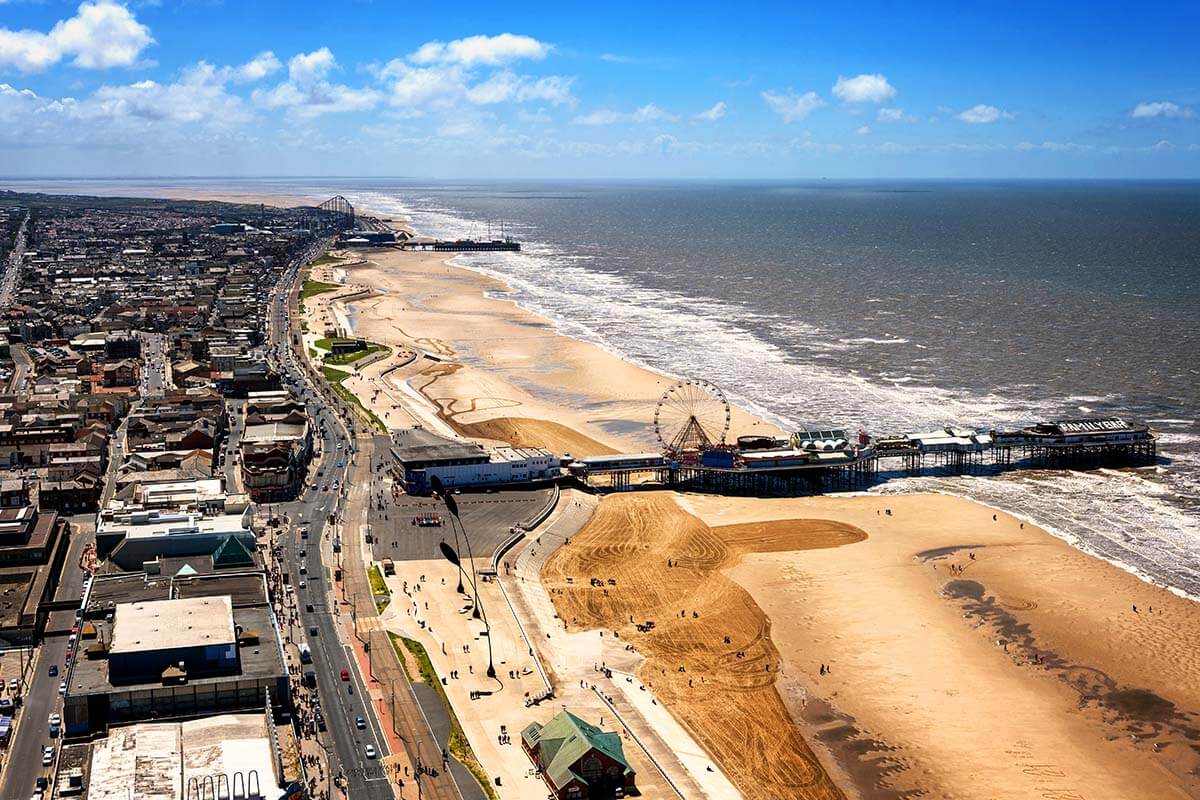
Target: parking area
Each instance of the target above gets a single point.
(487, 516)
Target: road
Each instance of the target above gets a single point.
(154, 364)
(344, 743)
(12, 270)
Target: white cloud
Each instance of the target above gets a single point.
(257, 68)
(894, 115)
(872, 88)
(792, 106)
(441, 75)
(102, 34)
(307, 93)
(1161, 108)
(198, 96)
(647, 113)
(306, 68)
(983, 114)
(864, 130)
(488, 50)
(601, 116)
(713, 114)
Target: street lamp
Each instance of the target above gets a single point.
(451, 555)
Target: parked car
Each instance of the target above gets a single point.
(62, 687)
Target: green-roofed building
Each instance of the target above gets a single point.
(577, 759)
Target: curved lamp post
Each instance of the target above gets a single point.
(451, 554)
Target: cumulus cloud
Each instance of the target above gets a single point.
(792, 106)
(486, 50)
(101, 35)
(257, 68)
(983, 114)
(647, 113)
(872, 88)
(308, 93)
(864, 130)
(440, 74)
(1161, 108)
(713, 114)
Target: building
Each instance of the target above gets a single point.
(578, 760)
(421, 455)
(229, 755)
(130, 539)
(157, 646)
(276, 446)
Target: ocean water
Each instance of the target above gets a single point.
(891, 306)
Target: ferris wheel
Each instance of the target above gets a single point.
(692, 415)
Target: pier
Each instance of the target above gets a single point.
(814, 462)
(462, 246)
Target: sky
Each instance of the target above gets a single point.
(599, 90)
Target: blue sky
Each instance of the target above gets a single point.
(599, 89)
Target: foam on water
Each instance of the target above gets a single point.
(1145, 521)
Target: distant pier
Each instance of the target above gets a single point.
(462, 245)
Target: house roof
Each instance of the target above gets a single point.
(564, 740)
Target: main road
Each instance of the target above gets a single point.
(320, 506)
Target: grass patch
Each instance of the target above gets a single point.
(326, 260)
(379, 588)
(459, 747)
(350, 358)
(342, 359)
(334, 378)
(311, 288)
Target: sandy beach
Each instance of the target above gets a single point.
(966, 656)
(500, 373)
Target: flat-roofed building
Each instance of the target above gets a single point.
(182, 645)
(195, 636)
(131, 538)
(229, 755)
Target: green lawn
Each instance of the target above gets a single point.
(460, 748)
(347, 358)
(311, 288)
(335, 377)
(325, 260)
(379, 588)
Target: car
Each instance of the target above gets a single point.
(13, 684)
(53, 670)
(310, 608)
(312, 630)
(303, 584)
(303, 552)
(345, 674)
(47, 757)
(360, 723)
(370, 751)
(62, 687)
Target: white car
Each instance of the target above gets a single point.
(62, 686)
(47, 756)
(370, 751)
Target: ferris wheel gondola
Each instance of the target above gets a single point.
(691, 416)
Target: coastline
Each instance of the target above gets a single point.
(512, 369)
(498, 363)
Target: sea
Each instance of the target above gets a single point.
(888, 306)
